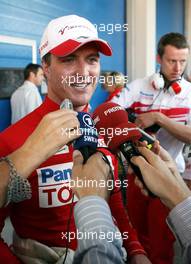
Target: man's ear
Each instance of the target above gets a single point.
(45, 67)
(158, 59)
(31, 75)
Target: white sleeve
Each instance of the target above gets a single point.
(179, 220)
(124, 98)
(129, 94)
(32, 101)
(189, 118)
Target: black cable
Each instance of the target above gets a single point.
(105, 158)
(122, 177)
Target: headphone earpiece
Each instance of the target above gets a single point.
(158, 83)
(175, 88)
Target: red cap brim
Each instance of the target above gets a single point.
(71, 45)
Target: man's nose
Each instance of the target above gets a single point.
(177, 67)
(83, 69)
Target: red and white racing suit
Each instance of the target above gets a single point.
(45, 216)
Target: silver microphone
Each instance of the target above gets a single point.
(66, 104)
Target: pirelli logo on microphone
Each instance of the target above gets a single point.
(53, 185)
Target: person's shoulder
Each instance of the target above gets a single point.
(185, 89)
(17, 90)
(32, 91)
(29, 87)
(185, 83)
(26, 86)
(27, 91)
(20, 91)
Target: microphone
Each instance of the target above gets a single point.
(119, 134)
(88, 141)
(66, 104)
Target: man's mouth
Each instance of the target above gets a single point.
(175, 76)
(80, 86)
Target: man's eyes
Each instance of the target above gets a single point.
(67, 59)
(70, 59)
(174, 61)
(94, 59)
(183, 62)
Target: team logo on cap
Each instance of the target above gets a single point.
(62, 30)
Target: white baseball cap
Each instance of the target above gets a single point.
(66, 34)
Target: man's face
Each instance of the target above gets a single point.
(173, 62)
(109, 87)
(39, 77)
(74, 76)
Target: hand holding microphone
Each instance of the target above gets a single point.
(161, 176)
(112, 117)
(87, 142)
(152, 129)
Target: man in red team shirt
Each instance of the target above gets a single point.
(69, 51)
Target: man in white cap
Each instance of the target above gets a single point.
(44, 224)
